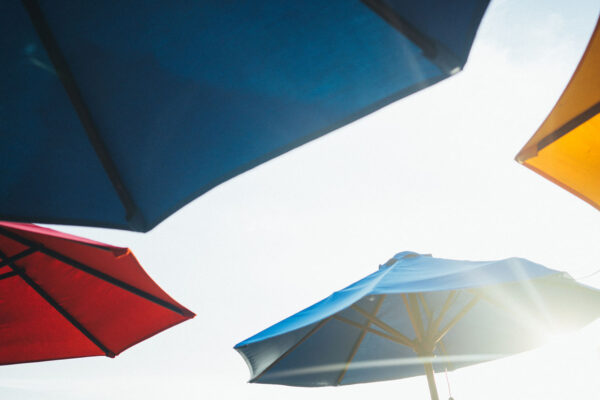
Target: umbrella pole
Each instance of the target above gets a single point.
(423, 347)
(431, 381)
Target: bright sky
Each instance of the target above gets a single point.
(433, 173)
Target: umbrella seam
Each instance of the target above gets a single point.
(359, 341)
(433, 50)
(293, 347)
(98, 274)
(54, 304)
(71, 87)
(573, 123)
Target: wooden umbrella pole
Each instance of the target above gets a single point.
(431, 381)
(424, 347)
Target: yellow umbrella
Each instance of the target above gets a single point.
(566, 147)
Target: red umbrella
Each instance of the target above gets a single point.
(62, 296)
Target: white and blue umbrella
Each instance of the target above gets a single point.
(418, 314)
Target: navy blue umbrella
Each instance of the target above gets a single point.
(118, 113)
(416, 315)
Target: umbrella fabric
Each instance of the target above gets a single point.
(62, 296)
(566, 147)
(116, 114)
(418, 310)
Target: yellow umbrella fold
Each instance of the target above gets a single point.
(566, 147)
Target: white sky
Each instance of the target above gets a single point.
(433, 173)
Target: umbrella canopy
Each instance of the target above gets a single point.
(116, 114)
(566, 147)
(62, 296)
(419, 314)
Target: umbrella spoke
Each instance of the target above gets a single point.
(415, 317)
(398, 339)
(383, 325)
(414, 304)
(50, 300)
(61, 66)
(92, 271)
(489, 299)
(514, 310)
(430, 331)
(447, 304)
(288, 351)
(8, 274)
(18, 256)
(428, 313)
(359, 340)
(456, 318)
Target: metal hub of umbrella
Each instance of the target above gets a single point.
(420, 315)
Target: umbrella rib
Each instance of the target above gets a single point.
(434, 51)
(18, 256)
(580, 119)
(12, 259)
(359, 340)
(353, 352)
(413, 318)
(414, 304)
(8, 275)
(430, 331)
(447, 304)
(428, 314)
(489, 299)
(456, 318)
(288, 351)
(68, 81)
(94, 272)
(376, 321)
(50, 300)
(426, 308)
(393, 338)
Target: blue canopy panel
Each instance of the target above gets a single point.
(117, 114)
(518, 303)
